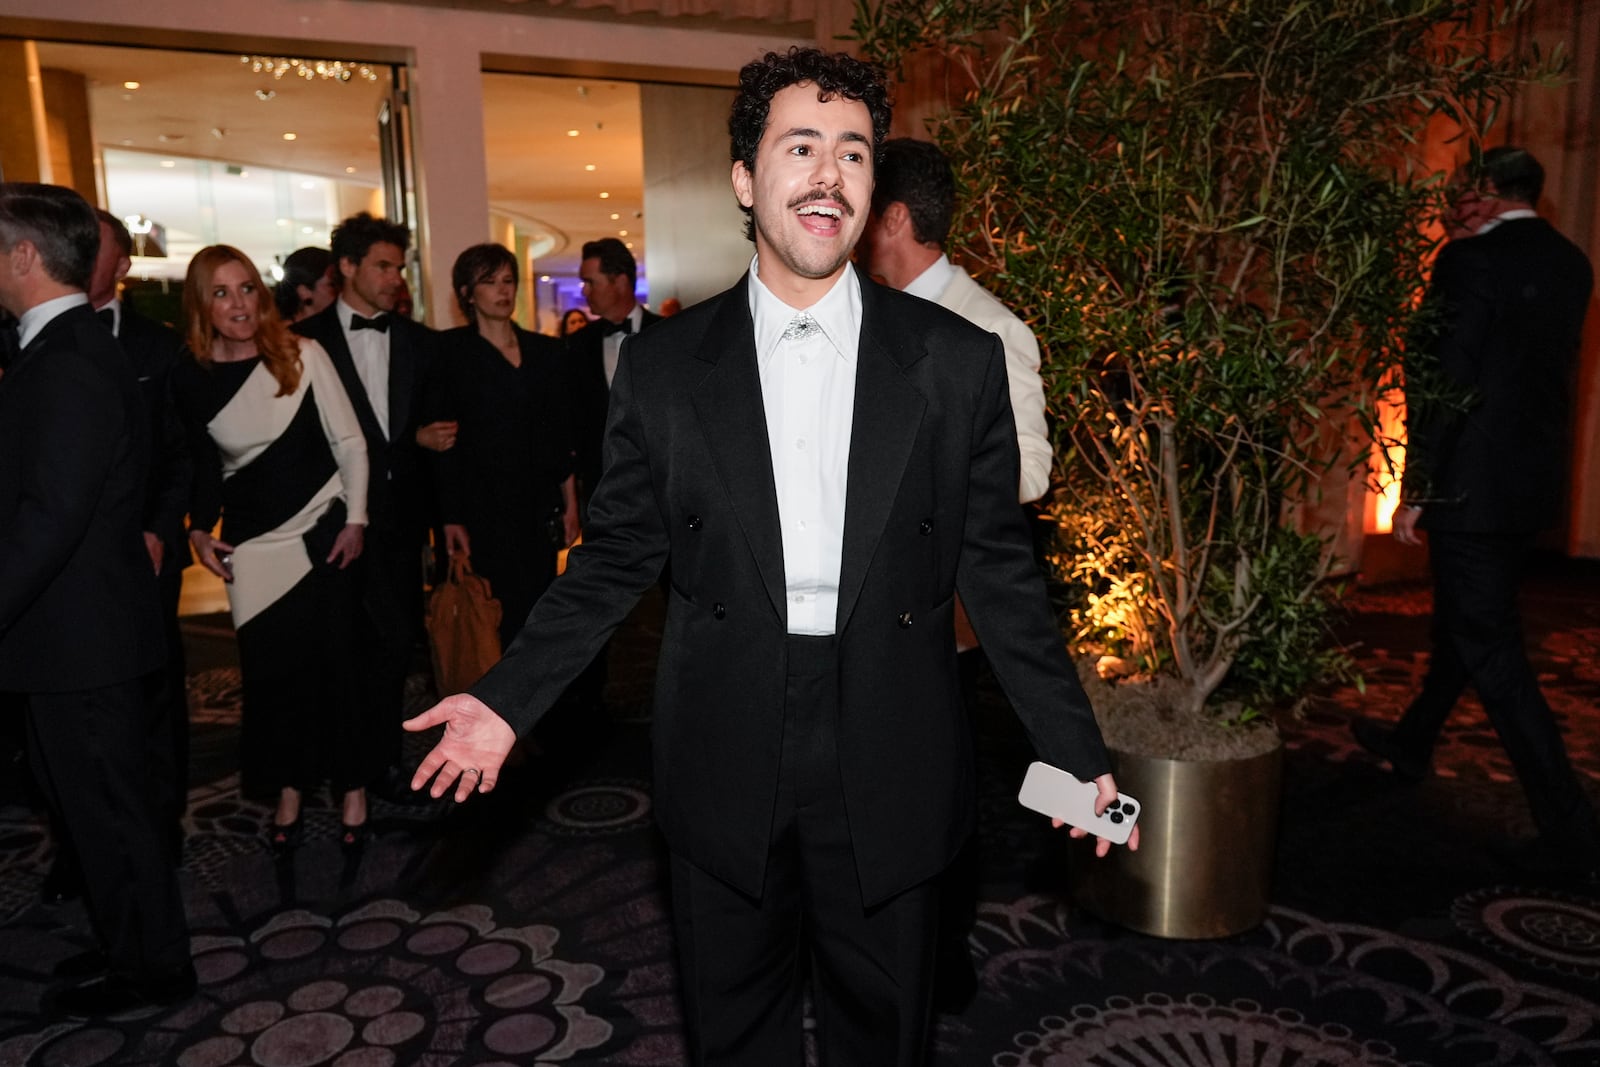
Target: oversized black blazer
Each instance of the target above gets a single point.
(931, 509)
(1489, 452)
(591, 395)
(397, 493)
(514, 448)
(153, 350)
(78, 608)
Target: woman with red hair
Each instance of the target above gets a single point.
(280, 458)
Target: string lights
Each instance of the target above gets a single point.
(309, 69)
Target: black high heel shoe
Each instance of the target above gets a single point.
(284, 838)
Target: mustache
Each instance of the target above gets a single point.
(835, 194)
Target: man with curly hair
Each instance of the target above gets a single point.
(824, 462)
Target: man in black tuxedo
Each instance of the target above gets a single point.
(154, 350)
(609, 275)
(384, 361)
(80, 624)
(1486, 468)
(824, 462)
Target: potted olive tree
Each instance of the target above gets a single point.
(1212, 213)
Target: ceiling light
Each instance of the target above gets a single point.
(289, 137)
(305, 229)
(572, 133)
(615, 216)
(169, 138)
(338, 70)
(544, 277)
(630, 244)
(130, 85)
(588, 166)
(169, 163)
(622, 233)
(349, 170)
(605, 196)
(218, 132)
(266, 94)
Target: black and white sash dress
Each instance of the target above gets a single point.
(271, 466)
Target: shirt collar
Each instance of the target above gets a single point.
(39, 316)
(115, 304)
(931, 283)
(1506, 216)
(838, 313)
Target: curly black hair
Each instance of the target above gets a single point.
(354, 237)
(835, 75)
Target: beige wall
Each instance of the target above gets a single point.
(695, 245)
(445, 49)
(24, 152)
(70, 138)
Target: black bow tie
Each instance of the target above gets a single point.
(361, 322)
(108, 315)
(607, 327)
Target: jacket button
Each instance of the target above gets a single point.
(925, 527)
(694, 522)
(905, 620)
(718, 611)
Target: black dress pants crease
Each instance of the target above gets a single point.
(89, 750)
(744, 961)
(1478, 640)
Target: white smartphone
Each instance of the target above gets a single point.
(1052, 791)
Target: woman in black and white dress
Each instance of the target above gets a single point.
(280, 457)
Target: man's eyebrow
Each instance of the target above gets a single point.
(808, 133)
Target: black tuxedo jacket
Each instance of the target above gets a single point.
(931, 509)
(77, 607)
(397, 492)
(1512, 304)
(586, 383)
(153, 350)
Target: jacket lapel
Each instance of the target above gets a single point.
(328, 333)
(727, 402)
(888, 416)
(402, 369)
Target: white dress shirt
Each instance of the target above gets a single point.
(39, 316)
(611, 343)
(808, 389)
(369, 351)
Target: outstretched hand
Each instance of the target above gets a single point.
(1106, 786)
(468, 756)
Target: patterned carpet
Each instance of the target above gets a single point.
(530, 927)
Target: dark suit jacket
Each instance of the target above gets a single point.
(153, 350)
(77, 607)
(586, 380)
(1494, 458)
(514, 448)
(397, 493)
(931, 509)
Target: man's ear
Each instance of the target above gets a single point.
(896, 219)
(348, 267)
(742, 181)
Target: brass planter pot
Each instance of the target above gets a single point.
(1207, 835)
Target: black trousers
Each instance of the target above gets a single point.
(390, 583)
(744, 961)
(90, 754)
(1478, 640)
